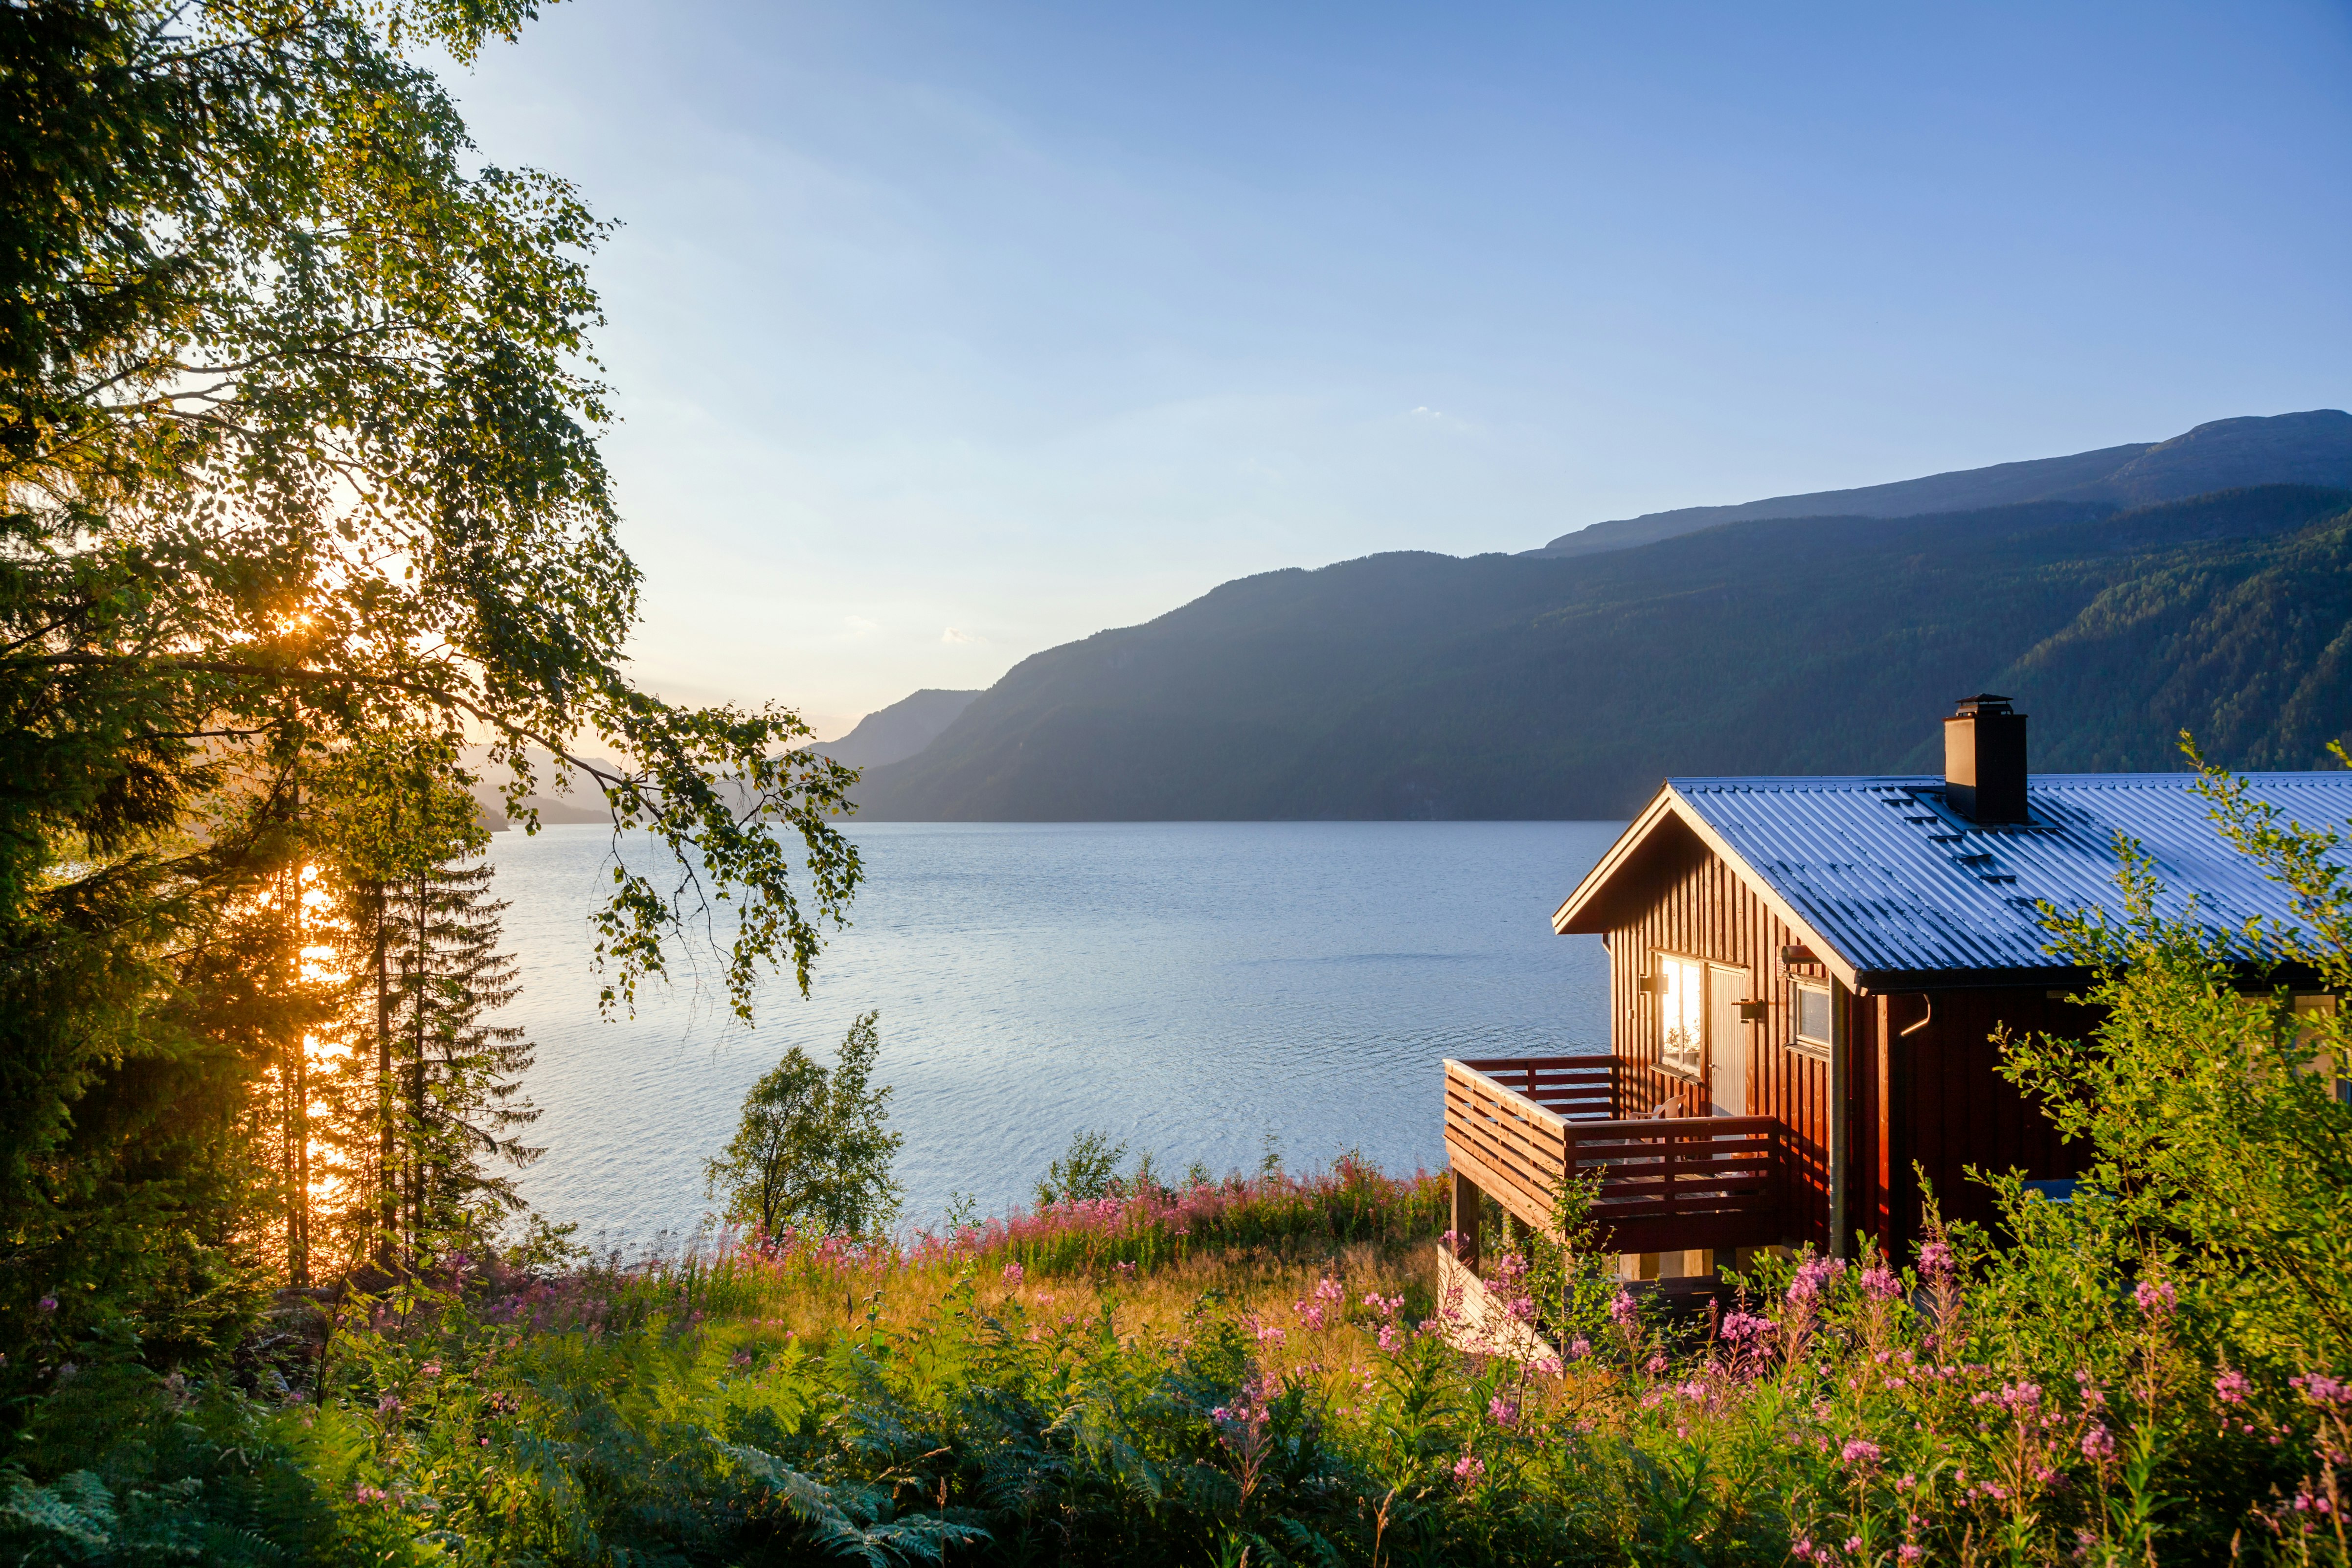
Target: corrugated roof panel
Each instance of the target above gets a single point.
(1896, 881)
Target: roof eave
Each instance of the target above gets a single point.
(1670, 802)
(1564, 920)
(1890, 982)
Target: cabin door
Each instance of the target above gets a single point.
(1726, 1053)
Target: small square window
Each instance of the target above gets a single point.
(1813, 1015)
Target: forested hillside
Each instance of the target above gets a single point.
(1425, 686)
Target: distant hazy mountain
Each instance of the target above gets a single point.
(2313, 448)
(1536, 686)
(580, 804)
(899, 731)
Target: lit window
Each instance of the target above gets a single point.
(1813, 1015)
(1682, 1013)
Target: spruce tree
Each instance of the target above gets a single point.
(459, 1117)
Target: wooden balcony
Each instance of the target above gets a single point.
(1516, 1127)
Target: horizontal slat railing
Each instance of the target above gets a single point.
(1664, 1184)
(1577, 1087)
(1512, 1148)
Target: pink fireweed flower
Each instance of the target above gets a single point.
(1390, 1339)
(1908, 1552)
(430, 1369)
(1813, 1276)
(1623, 1310)
(1881, 1283)
(1860, 1452)
(1654, 1365)
(1578, 1348)
(48, 1303)
(2321, 1389)
(1469, 1470)
(2098, 1443)
(363, 1492)
(2231, 1387)
(388, 1406)
(1502, 1411)
(1310, 1313)
(1013, 1273)
(2154, 1297)
(1328, 1289)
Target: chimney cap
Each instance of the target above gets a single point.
(1983, 702)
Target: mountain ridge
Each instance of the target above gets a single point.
(898, 731)
(1412, 684)
(2313, 447)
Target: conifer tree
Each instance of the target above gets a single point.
(459, 1118)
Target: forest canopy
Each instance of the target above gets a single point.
(298, 420)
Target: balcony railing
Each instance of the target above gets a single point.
(1517, 1127)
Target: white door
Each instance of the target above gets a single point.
(1727, 1043)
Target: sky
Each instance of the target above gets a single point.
(942, 334)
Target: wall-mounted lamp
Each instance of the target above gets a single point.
(1755, 1013)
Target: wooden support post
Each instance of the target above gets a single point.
(1465, 1221)
(1841, 1120)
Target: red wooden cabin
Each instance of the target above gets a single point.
(1805, 977)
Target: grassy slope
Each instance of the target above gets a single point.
(1406, 685)
(1287, 1398)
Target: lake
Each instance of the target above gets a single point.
(1189, 987)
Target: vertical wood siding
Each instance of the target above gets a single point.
(1702, 910)
(1952, 1109)
(1934, 1096)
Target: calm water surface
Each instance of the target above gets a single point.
(1189, 987)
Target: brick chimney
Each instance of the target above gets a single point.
(1984, 760)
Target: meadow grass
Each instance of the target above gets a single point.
(1261, 1374)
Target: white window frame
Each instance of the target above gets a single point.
(1682, 1015)
(1812, 1045)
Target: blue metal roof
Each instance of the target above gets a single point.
(1898, 885)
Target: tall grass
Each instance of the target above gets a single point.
(1251, 1372)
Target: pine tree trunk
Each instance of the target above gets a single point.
(298, 1109)
(387, 1148)
(424, 980)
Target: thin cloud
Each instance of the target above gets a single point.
(952, 635)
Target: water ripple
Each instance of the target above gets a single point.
(1187, 986)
